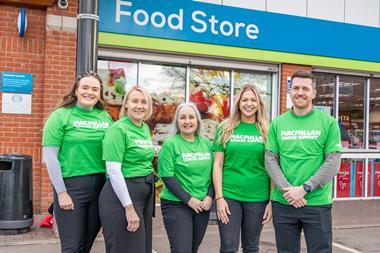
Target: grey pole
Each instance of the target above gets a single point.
(87, 36)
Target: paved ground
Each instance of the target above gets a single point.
(356, 229)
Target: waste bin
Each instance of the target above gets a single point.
(16, 189)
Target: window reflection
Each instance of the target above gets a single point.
(263, 82)
(349, 181)
(117, 77)
(351, 111)
(209, 89)
(374, 115)
(166, 84)
(324, 99)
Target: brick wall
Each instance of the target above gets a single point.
(288, 70)
(50, 57)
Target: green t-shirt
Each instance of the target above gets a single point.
(190, 163)
(244, 175)
(79, 134)
(130, 145)
(302, 143)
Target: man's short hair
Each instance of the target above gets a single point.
(303, 74)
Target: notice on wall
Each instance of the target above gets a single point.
(16, 82)
(16, 103)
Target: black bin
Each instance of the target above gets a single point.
(16, 190)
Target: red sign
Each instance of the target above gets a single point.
(373, 179)
(359, 171)
(343, 180)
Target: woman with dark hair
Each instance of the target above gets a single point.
(72, 148)
(126, 201)
(242, 186)
(185, 165)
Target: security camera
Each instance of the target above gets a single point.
(62, 4)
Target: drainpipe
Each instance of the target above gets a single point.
(87, 36)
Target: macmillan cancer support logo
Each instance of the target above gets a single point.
(144, 143)
(300, 135)
(246, 138)
(95, 124)
(197, 156)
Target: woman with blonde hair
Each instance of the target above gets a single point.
(242, 186)
(185, 165)
(126, 202)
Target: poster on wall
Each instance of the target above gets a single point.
(13, 82)
(350, 179)
(373, 179)
(16, 103)
(358, 172)
(16, 91)
(343, 180)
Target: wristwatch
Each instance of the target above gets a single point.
(306, 187)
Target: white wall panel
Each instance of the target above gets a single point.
(291, 7)
(326, 9)
(362, 12)
(251, 4)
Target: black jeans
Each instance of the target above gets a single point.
(184, 226)
(78, 228)
(314, 220)
(112, 214)
(247, 217)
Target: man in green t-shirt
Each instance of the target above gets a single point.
(302, 157)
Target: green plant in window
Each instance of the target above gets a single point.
(120, 86)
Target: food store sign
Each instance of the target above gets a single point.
(224, 25)
(200, 21)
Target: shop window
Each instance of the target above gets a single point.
(324, 99)
(166, 85)
(117, 77)
(210, 90)
(373, 185)
(351, 111)
(263, 82)
(350, 178)
(374, 114)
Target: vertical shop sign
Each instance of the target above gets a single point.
(289, 103)
(373, 179)
(343, 180)
(359, 169)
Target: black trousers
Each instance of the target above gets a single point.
(78, 228)
(112, 214)
(247, 217)
(314, 220)
(184, 226)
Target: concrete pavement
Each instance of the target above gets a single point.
(356, 229)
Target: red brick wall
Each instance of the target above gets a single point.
(59, 73)
(50, 57)
(288, 70)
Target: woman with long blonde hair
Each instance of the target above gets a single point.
(242, 186)
(126, 201)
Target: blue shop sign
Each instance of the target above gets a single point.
(16, 82)
(231, 26)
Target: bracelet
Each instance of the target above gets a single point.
(219, 198)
